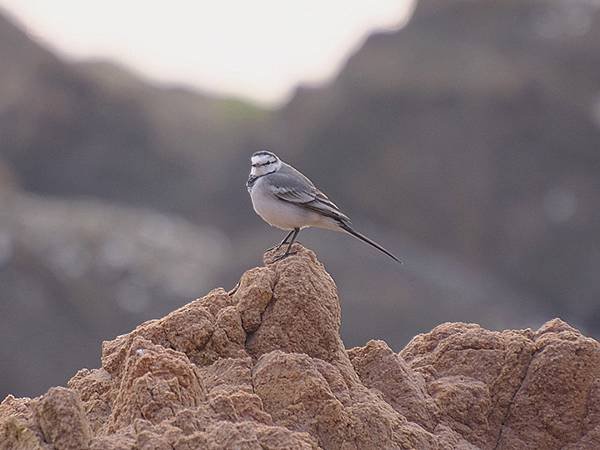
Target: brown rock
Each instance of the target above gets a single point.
(187, 330)
(253, 295)
(298, 397)
(263, 367)
(16, 408)
(228, 375)
(499, 360)
(18, 429)
(304, 315)
(553, 407)
(541, 385)
(466, 405)
(62, 420)
(157, 383)
(94, 388)
(16, 435)
(381, 369)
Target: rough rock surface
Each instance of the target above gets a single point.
(263, 367)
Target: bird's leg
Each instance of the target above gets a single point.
(278, 246)
(289, 247)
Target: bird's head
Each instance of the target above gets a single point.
(264, 162)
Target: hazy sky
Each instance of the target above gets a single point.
(258, 49)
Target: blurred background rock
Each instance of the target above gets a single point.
(467, 142)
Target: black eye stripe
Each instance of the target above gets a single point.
(263, 164)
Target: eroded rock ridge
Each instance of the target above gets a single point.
(263, 367)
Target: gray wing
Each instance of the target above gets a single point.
(291, 186)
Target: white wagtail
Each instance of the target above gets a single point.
(286, 199)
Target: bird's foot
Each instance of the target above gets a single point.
(283, 256)
(275, 247)
(278, 246)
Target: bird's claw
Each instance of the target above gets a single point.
(283, 256)
(274, 248)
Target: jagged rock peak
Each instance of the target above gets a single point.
(263, 366)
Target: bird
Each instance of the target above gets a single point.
(284, 198)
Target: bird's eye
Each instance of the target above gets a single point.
(261, 164)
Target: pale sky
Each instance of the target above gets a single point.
(258, 49)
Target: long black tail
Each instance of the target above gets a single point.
(348, 229)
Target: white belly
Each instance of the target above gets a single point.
(286, 216)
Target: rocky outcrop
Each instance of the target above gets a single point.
(263, 366)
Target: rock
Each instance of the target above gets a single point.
(380, 368)
(263, 367)
(155, 385)
(512, 389)
(567, 366)
(18, 429)
(62, 420)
